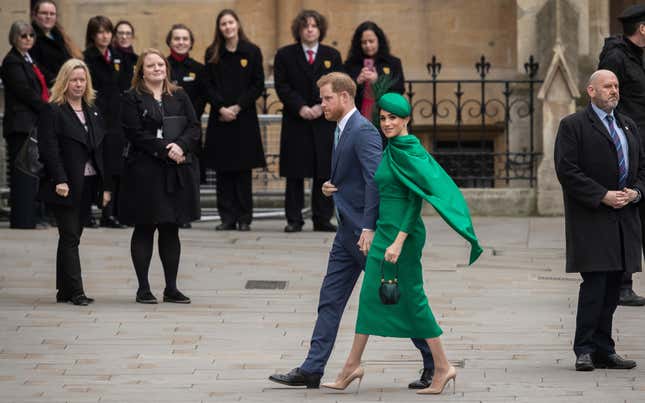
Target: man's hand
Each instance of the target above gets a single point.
(632, 194)
(617, 199)
(365, 241)
(317, 111)
(306, 113)
(328, 189)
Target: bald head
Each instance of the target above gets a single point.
(602, 88)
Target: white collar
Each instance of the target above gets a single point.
(314, 48)
(343, 121)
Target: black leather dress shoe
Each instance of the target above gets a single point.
(80, 300)
(293, 228)
(176, 297)
(629, 298)
(111, 222)
(424, 381)
(297, 378)
(91, 223)
(584, 362)
(225, 227)
(89, 300)
(146, 297)
(244, 227)
(612, 361)
(325, 227)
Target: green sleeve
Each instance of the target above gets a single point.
(412, 212)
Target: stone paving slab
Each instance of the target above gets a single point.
(508, 321)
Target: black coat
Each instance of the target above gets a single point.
(65, 146)
(305, 146)
(625, 59)
(49, 53)
(109, 80)
(587, 166)
(385, 65)
(21, 93)
(127, 70)
(154, 189)
(238, 78)
(186, 74)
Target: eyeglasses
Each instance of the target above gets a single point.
(124, 34)
(29, 35)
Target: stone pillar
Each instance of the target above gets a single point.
(558, 94)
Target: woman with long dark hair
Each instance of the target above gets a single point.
(160, 188)
(234, 80)
(122, 41)
(369, 60)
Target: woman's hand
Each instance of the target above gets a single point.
(107, 196)
(370, 75)
(393, 252)
(175, 153)
(62, 189)
(227, 114)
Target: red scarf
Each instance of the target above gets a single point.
(44, 93)
(106, 56)
(367, 105)
(177, 56)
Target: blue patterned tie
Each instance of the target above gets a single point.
(336, 136)
(622, 169)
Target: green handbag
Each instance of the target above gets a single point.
(389, 290)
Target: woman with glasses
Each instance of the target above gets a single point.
(53, 46)
(25, 97)
(122, 42)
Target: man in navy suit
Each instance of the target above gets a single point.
(356, 155)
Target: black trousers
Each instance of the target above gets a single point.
(235, 197)
(26, 212)
(322, 207)
(70, 221)
(597, 302)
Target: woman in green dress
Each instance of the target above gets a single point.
(406, 176)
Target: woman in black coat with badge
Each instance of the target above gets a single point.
(70, 144)
(368, 60)
(160, 188)
(108, 69)
(234, 80)
(25, 97)
(122, 42)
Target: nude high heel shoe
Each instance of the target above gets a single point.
(439, 384)
(342, 384)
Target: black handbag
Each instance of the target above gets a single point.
(27, 160)
(389, 290)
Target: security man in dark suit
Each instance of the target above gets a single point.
(600, 163)
(623, 55)
(306, 138)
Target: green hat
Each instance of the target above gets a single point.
(395, 104)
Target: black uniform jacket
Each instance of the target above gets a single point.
(154, 188)
(108, 80)
(21, 93)
(65, 146)
(238, 78)
(49, 53)
(385, 65)
(305, 146)
(186, 74)
(598, 237)
(625, 59)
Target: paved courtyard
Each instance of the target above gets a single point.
(508, 321)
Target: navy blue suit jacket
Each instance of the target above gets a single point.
(354, 162)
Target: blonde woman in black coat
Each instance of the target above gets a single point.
(70, 143)
(160, 188)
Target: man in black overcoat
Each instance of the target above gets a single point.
(601, 166)
(623, 55)
(306, 138)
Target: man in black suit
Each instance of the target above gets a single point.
(306, 138)
(601, 166)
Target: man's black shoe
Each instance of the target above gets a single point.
(584, 362)
(612, 361)
(424, 381)
(324, 227)
(629, 298)
(293, 228)
(225, 227)
(111, 222)
(79, 300)
(297, 378)
(243, 227)
(91, 223)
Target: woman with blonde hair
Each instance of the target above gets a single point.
(71, 148)
(160, 188)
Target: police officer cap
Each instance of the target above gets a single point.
(396, 104)
(635, 13)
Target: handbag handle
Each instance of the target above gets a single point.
(396, 275)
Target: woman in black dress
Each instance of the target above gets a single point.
(108, 68)
(160, 188)
(234, 80)
(25, 97)
(53, 46)
(70, 143)
(369, 59)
